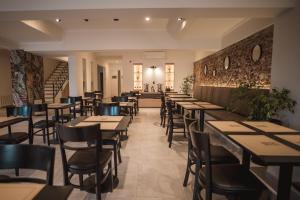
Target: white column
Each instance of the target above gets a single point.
(75, 75)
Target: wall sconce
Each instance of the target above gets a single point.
(153, 67)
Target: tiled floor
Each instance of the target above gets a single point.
(149, 171)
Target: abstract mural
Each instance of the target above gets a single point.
(27, 77)
(211, 70)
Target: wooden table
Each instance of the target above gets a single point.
(128, 105)
(268, 127)
(266, 149)
(184, 99)
(192, 108)
(32, 191)
(205, 107)
(201, 103)
(179, 96)
(61, 107)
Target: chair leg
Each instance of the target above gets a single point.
(111, 177)
(115, 160)
(119, 153)
(44, 136)
(98, 184)
(197, 190)
(17, 171)
(187, 172)
(81, 181)
(170, 137)
(48, 137)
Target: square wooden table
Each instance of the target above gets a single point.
(267, 151)
(183, 99)
(192, 108)
(104, 126)
(291, 139)
(205, 107)
(201, 103)
(33, 191)
(230, 127)
(104, 119)
(269, 127)
(179, 96)
(61, 107)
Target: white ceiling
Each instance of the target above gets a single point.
(207, 21)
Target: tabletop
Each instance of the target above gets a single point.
(183, 99)
(294, 139)
(104, 126)
(179, 96)
(269, 127)
(229, 127)
(126, 104)
(104, 119)
(60, 105)
(184, 103)
(191, 107)
(211, 107)
(34, 191)
(267, 149)
(201, 103)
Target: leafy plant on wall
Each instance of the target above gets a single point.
(263, 105)
(187, 84)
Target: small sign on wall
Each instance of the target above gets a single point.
(114, 77)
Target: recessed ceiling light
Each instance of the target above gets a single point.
(58, 20)
(180, 19)
(86, 20)
(147, 19)
(116, 19)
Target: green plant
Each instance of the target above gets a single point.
(267, 106)
(186, 85)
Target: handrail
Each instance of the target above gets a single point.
(59, 81)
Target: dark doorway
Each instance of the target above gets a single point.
(100, 72)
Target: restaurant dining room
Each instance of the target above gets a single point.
(150, 100)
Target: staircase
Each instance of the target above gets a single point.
(56, 81)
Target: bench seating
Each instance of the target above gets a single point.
(223, 96)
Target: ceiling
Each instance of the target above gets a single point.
(32, 26)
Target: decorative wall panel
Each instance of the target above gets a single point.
(27, 77)
(241, 66)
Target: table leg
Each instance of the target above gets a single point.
(201, 120)
(193, 114)
(284, 182)
(246, 159)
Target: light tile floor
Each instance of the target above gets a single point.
(149, 171)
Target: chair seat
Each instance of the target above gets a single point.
(42, 124)
(232, 179)
(85, 159)
(14, 138)
(64, 116)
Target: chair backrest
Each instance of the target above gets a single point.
(24, 156)
(65, 100)
(24, 111)
(40, 108)
(201, 146)
(119, 99)
(68, 133)
(111, 109)
(76, 99)
(187, 121)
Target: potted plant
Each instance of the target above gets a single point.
(267, 106)
(186, 86)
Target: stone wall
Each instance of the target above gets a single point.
(241, 66)
(27, 77)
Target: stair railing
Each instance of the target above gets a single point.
(59, 82)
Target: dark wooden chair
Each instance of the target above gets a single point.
(79, 107)
(219, 155)
(85, 160)
(89, 104)
(18, 137)
(234, 181)
(111, 139)
(173, 124)
(25, 156)
(44, 124)
(163, 111)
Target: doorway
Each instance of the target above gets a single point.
(100, 74)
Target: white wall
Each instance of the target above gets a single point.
(286, 61)
(76, 72)
(183, 61)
